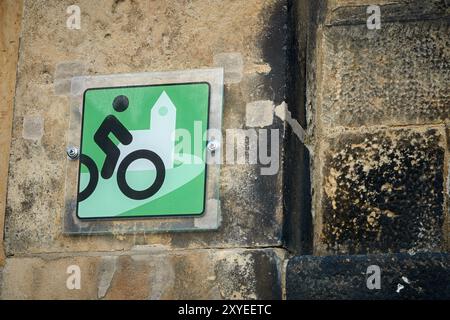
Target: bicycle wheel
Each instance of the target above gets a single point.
(156, 185)
(93, 177)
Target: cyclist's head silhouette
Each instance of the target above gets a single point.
(120, 103)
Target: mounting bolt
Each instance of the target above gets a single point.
(213, 145)
(72, 153)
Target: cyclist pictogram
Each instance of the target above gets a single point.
(111, 125)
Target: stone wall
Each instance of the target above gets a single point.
(367, 182)
(380, 111)
(247, 39)
(10, 22)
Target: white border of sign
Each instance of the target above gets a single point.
(211, 218)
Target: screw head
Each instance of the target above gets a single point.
(212, 145)
(72, 152)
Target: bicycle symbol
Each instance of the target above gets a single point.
(101, 137)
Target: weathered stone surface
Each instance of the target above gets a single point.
(148, 274)
(448, 187)
(396, 75)
(45, 278)
(421, 276)
(376, 190)
(341, 12)
(10, 22)
(383, 191)
(138, 36)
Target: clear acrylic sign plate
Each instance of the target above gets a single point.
(107, 204)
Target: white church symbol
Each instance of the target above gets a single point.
(158, 138)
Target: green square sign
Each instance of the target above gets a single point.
(143, 151)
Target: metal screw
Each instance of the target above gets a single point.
(212, 145)
(72, 153)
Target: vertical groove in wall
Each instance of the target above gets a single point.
(297, 233)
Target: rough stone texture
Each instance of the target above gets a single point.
(393, 76)
(383, 192)
(343, 12)
(10, 18)
(157, 273)
(422, 276)
(375, 190)
(448, 187)
(137, 36)
(378, 101)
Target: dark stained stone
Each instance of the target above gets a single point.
(383, 192)
(448, 188)
(422, 276)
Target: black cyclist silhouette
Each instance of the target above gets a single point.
(112, 125)
(101, 137)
